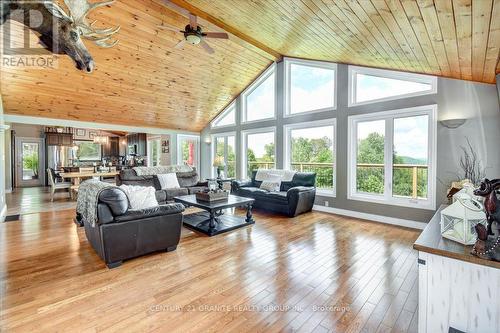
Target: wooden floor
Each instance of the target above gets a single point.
(314, 273)
(30, 200)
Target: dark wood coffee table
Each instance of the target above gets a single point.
(212, 221)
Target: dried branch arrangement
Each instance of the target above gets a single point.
(470, 164)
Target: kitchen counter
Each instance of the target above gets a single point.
(431, 241)
(455, 289)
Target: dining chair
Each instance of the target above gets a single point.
(54, 185)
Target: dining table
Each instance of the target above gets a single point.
(76, 177)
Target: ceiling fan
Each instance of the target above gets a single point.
(193, 34)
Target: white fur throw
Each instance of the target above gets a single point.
(140, 197)
(271, 174)
(156, 170)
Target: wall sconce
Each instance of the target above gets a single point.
(453, 123)
(4, 127)
(208, 140)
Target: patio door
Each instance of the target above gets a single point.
(188, 150)
(30, 162)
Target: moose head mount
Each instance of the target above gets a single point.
(61, 31)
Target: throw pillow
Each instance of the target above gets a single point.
(140, 197)
(272, 184)
(168, 180)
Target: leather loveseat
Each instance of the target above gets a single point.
(121, 233)
(189, 183)
(295, 197)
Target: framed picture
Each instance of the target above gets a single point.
(165, 150)
(80, 132)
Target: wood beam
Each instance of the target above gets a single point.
(265, 50)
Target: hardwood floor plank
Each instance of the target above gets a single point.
(313, 273)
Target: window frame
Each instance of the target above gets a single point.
(179, 148)
(287, 131)
(387, 197)
(75, 142)
(231, 107)
(250, 89)
(383, 73)
(150, 150)
(288, 85)
(244, 146)
(213, 147)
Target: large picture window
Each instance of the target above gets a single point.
(226, 118)
(259, 98)
(310, 147)
(310, 86)
(370, 85)
(224, 150)
(392, 156)
(259, 150)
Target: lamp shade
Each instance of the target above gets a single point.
(218, 162)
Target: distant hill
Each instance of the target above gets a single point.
(411, 160)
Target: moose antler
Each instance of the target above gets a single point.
(79, 10)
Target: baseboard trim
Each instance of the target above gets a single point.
(372, 217)
(3, 213)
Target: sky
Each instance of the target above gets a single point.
(370, 87)
(410, 134)
(313, 88)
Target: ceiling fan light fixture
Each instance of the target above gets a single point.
(193, 39)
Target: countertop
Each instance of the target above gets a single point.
(431, 241)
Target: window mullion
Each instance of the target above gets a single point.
(388, 161)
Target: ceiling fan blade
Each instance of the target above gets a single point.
(207, 47)
(180, 44)
(221, 35)
(193, 21)
(178, 9)
(168, 27)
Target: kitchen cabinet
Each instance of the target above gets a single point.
(112, 148)
(140, 141)
(455, 289)
(59, 139)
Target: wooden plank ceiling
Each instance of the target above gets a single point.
(143, 81)
(451, 38)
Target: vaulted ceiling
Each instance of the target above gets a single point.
(452, 38)
(144, 81)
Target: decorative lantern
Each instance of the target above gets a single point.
(459, 219)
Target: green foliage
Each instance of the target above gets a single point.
(88, 151)
(370, 179)
(31, 162)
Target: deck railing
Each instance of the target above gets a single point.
(412, 177)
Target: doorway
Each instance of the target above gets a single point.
(30, 162)
(188, 150)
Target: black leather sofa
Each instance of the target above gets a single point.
(189, 183)
(295, 197)
(122, 233)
